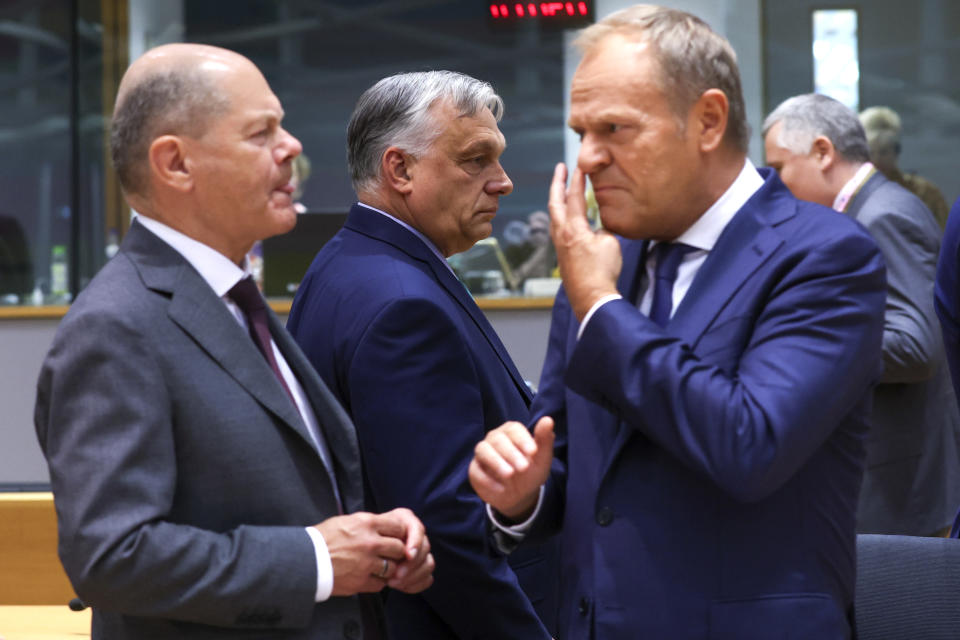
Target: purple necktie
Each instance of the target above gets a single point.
(669, 257)
(246, 296)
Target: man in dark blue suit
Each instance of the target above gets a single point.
(709, 371)
(407, 351)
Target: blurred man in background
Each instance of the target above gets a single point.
(912, 481)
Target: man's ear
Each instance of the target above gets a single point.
(168, 162)
(823, 152)
(709, 115)
(396, 166)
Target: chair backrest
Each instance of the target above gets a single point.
(908, 588)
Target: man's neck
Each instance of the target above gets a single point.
(843, 172)
(720, 172)
(850, 179)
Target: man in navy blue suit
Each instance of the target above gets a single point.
(407, 351)
(708, 372)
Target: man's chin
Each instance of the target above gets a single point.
(283, 220)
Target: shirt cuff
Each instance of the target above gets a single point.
(517, 531)
(324, 565)
(596, 305)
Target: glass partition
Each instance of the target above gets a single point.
(52, 221)
(319, 58)
(905, 52)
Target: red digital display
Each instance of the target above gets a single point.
(560, 14)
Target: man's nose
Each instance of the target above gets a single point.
(500, 184)
(592, 156)
(288, 148)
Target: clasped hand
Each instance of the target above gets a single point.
(370, 551)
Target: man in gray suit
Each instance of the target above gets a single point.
(912, 481)
(192, 449)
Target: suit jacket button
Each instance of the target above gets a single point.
(584, 607)
(605, 516)
(351, 630)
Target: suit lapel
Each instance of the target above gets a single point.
(196, 309)
(863, 194)
(744, 245)
(631, 274)
(375, 225)
(338, 430)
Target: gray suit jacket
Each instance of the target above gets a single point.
(912, 481)
(182, 474)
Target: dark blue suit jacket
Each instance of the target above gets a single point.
(713, 466)
(407, 351)
(947, 293)
(947, 304)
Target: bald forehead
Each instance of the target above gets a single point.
(206, 59)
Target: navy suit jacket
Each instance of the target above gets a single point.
(947, 293)
(947, 304)
(712, 467)
(407, 351)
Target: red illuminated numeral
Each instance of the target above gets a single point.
(551, 8)
(533, 9)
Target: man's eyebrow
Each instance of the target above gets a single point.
(268, 114)
(483, 146)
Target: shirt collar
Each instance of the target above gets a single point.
(215, 268)
(423, 238)
(852, 186)
(704, 233)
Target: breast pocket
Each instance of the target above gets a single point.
(797, 616)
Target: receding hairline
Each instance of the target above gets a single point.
(174, 58)
(173, 89)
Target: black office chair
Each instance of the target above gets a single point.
(908, 588)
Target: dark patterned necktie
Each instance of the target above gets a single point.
(247, 297)
(669, 257)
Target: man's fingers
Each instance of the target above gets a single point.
(514, 449)
(416, 540)
(402, 527)
(577, 200)
(543, 434)
(413, 579)
(483, 481)
(492, 463)
(557, 202)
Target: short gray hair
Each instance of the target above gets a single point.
(807, 116)
(395, 112)
(692, 57)
(167, 102)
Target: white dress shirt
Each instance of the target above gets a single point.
(702, 235)
(221, 274)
